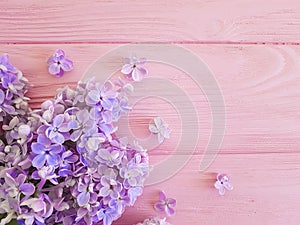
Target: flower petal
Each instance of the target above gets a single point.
(39, 161)
(162, 196)
(58, 120)
(59, 138)
(171, 202)
(36, 204)
(27, 189)
(37, 148)
(52, 160)
(137, 75)
(83, 198)
(218, 185)
(160, 207)
(66, 65)
(54, 68)
(170, 211)
(153, 128)
(127, 69)
(228, 186)
(221, 190)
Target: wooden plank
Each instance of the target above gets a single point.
(77, 21)
(260, 86)
(266, 191)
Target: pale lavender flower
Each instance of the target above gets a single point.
(222, 183)
(40, 209)
(110, 187)
(131, 175)
(102, 95)
(44, 174)
(110, 157)
(120, 202)
(16, 186)
(81, 123)
(58, 63)
(86, 194)
(90, 141)
(134, 68)
(58, 131)
(165, 204)
(51, 109)
(159, 127)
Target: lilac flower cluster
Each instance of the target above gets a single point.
(63, 164)
(154, 221)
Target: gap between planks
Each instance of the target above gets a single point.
(156, 42)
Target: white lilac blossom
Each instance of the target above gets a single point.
(154, 221)
(134, 68)
(222, 183)
(63, 164)
(160, 128)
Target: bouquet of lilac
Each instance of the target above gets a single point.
(63, 164)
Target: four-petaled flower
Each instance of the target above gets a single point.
(159, 127)
(134, 68)
(222, 183)
(58, 131)
(106, 215)
(17, 185)
(86, 192)
(45, 152)
(58, 63)
(110, 187)
(103, 96)
(165, 204)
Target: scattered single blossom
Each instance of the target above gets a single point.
(165, 204)
(58, 63)
(222, 183)
(160, 128)
(154, 221)
(134, 68)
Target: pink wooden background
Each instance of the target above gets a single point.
(251, 46)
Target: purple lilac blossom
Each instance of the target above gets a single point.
(45, 152)
(165, 204)
(58, 63)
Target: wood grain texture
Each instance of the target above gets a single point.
(109, 21)
(252, 48)
(260, 85)
(266, 191)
